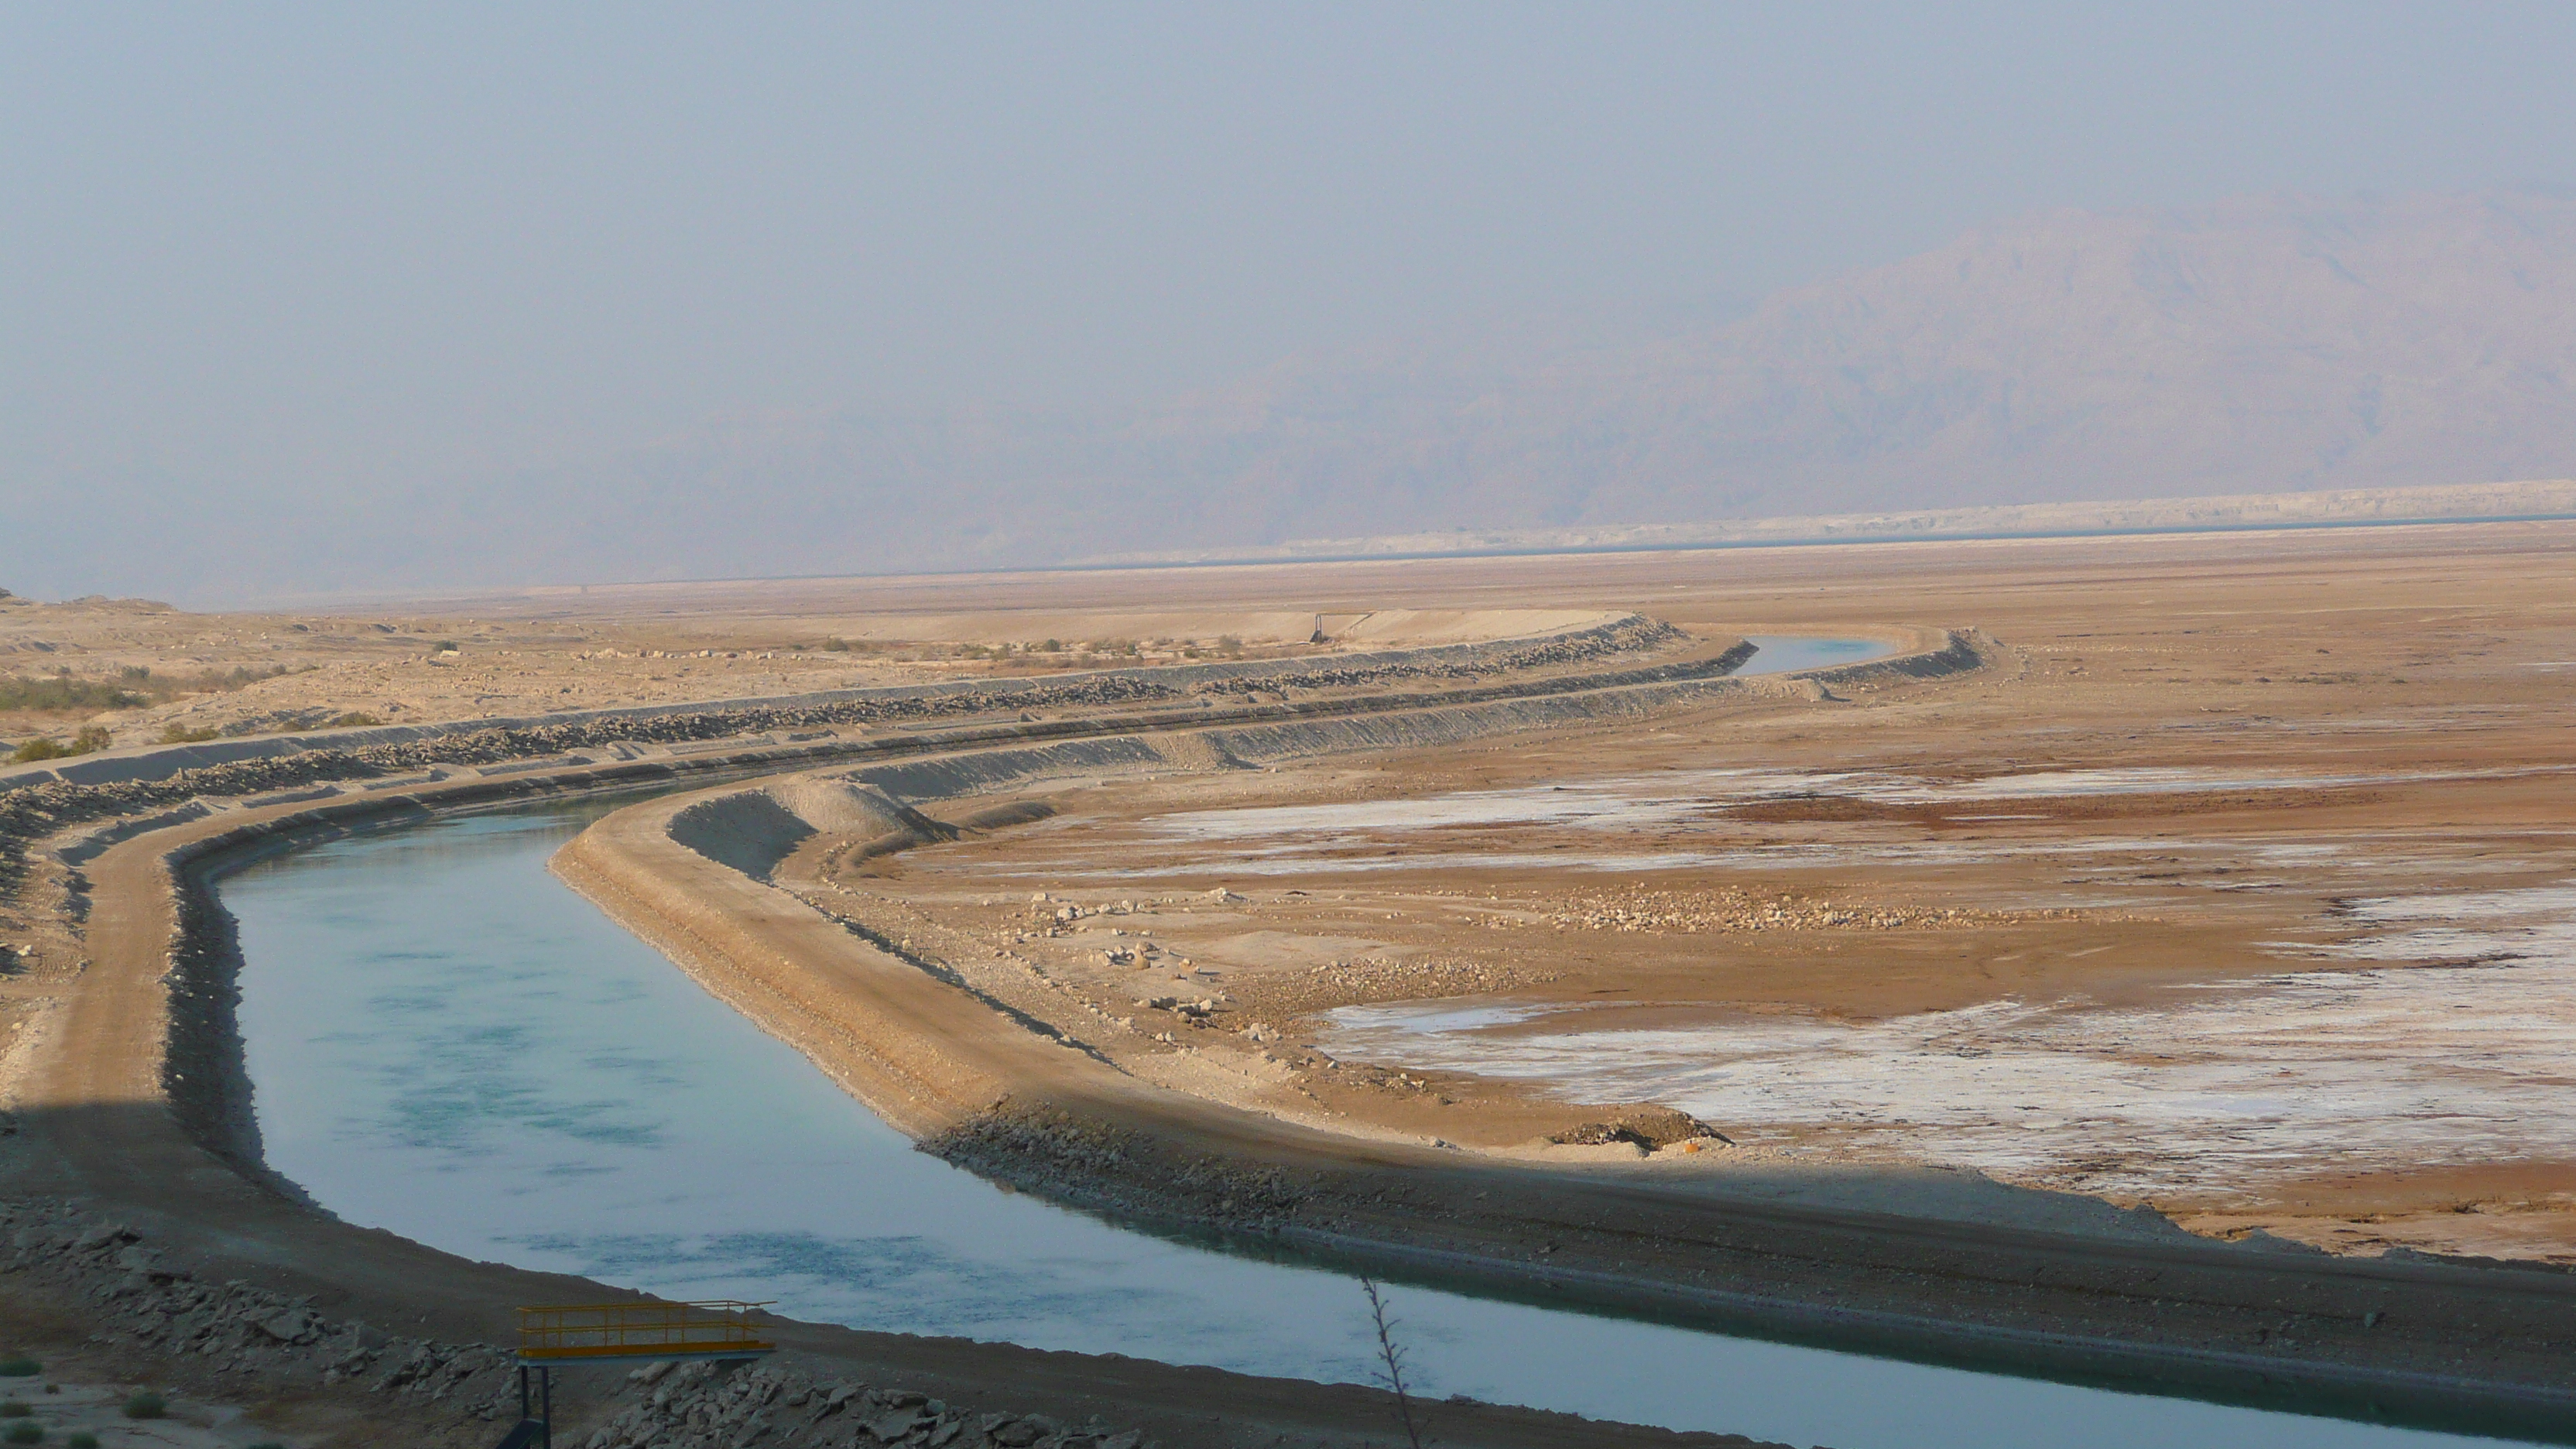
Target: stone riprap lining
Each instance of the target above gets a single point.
(202, 1071)
(31, 812)
(895, 703)
(271, 1344)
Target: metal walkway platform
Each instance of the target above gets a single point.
(577, 1333)
(590, 1332)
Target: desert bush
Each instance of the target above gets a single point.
(14, 1409)
(88, 739)
(25, 1431)
(18, 1367)
(182, 735)
(213, 681)
(134, 687)
(354, 719)
(80, 1439)
(64, 692)
(144, 1404)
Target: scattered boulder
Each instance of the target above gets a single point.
(104, 1235)
(896, 1425)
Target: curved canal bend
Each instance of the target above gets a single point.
(446, 1042)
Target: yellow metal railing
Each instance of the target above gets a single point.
(720, 1328)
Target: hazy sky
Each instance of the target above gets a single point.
(252, 252)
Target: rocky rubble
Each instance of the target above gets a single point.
(1690, 912)
(33, 811)
(30, 812)
(1046, 1152)
(1635, 632)
(768, 1404)
(139, 1299)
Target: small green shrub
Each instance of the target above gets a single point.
(80, 1439)
(15, 1367)
(354, 719)
(90, 738)
(267, 1444)
(144, 1404)
(182, 735)
(25, 1431)
(14, 1409)
(64, 692)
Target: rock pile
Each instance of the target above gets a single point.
(140, 1299)
(1633, 633)
(30, 812)
(708, 1404)
(1378, 978)
(276, 1344)
(1051, 1154)
(1689, 912)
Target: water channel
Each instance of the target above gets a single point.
(446, 1042)
(1788, 653)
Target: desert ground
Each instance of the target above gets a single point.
(2210, 905)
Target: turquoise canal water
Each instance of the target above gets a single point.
(1789, 653)
(446, 1042)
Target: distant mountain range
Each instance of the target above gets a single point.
(2259, 345)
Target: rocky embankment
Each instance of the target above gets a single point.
(30, 811)
(161, 1322)
(711, 1404)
